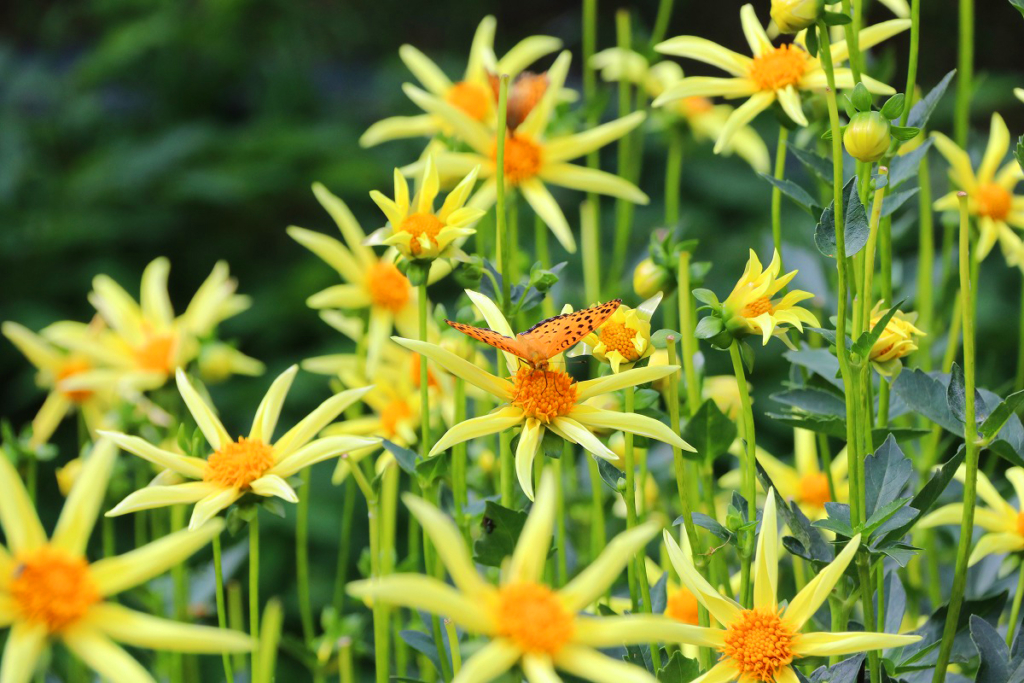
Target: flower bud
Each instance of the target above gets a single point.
(649, 278)
(867, 136)
(793, 16)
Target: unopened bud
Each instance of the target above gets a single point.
(867, 136)
(793, 16)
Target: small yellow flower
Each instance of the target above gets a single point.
(649, 278)
(625, 337)
(50, 592)
(255, 464)
(867, 136)
(772, 74)
(526, 621)
(764, 642)
(531, 157)
(750, 309)
(1002, 522)
(414, 228)
(990, 192)
(895, 342)
(793, 16)
(542, 399)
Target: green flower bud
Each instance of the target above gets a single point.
(649, 278)
(793, 16)
(867, 136)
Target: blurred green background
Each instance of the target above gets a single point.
(131, 129)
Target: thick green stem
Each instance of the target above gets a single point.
(459, 488)
(348, 512)
(851, 33)
(673, 175)
(302, 557)
(749, 471)
(222, 614)
(661, 21)
(964, 74)
(254, 588)
(589, 237)
(623, 212)
(925, 266)
(1018, 595)
(687, 330)
(503, 246)
(971, 451)
(561, 552)
(780, 172)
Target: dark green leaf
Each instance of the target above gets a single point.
(846, 671)
(552, 444)
(895, 200)
(908, 165)
(882, 514)
(926, 396)
(836, 427)
(995, 656)
(747, 355)
(855, 224)
(886, 473)
(659, 594)
(1019, 4)
(956, 396)
(923, 501)
(922, 111)
(837, 19)
(405, 458)
(904, 133)
(798, 194)
(432, 468)
(422, 643)
(710, 431)
(709, 523)
(811, 400)
(610, 474)
(1002, 412)
(679, 669)
(893, 107)
(895, 602)
(922, 654)
(818, 361)
(502, 527)
(812, 38)
(818, 165)
(838, 520)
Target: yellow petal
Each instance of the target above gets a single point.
(18, 516)
(490, 662)
(398, 127)
(496, 386)
(808, 600)
(78, 516)
(526, 52)
(270, 407)
(156, 304)
(545, 206)
(569, 147)
(755, 34)
(25, 644)
(869, 37)
(531, 549)
(843, 643)
(947, 514)
(46, 421)
(272, 485)
(961, 171)
(573, 431)
(634, 377)
(789, 98)
(644, 628)
(987, 492)
(143, 630)
(105, 657)
(162, 496)
(995, 544)
(600, 574)
(456, 199)
(743, 115)
(203, 414)
(526, 451)
(592, 180)
(425, 70)
(429, 185)
(416, 591)
(536, 122)
(766, 558)
(634, 423)
(591, 665)
(332, 251)
(492, 423)
(702, 49)
(538, 669)
(450, 547)
(995, 151)
(347, 224)
(187, 466)
(38, 351)
(309, 426)
(725, 610)
(117, 307)
(721, 672)
(474, 133)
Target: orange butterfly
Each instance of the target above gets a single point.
(547, 338)
(523, 95)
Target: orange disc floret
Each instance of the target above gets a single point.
(395, 412)
(52, 587)
(421, 224)
(472, 99)
(522, 158)
(759, 644)
(778, 67)
(757, 307)
(993, 201)
(682, 606)
(544, 394)
(533, 617)
(239, 463)
(814, 489)
(387, 286)
(74, 366)
(157, 353)
(618, 337)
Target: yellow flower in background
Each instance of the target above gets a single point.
(771, 74)
(413, 226)
(255, 464)
(527, 622)
(532, 159)
(473, 95)
(750, 309)
(793, 16)
(625, 337)
(542, 399)
(1003, 523)
(370, 281)
(990, 192)
(219, 361)
(705, 119)
(725, 392)
(50, 592)
(895, 342)
(763, 643)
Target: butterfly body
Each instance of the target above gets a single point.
(537, 345)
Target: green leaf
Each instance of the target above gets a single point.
(882, 515)
(923, 501)
(895, 200)
(818, 361)
(923, 110)
(922, 654)
(846, 671)
(747, 356)
(799, 195)
(709, 523)
(1019, 151)
(610, 474)
(956, 396)
(709, 327)
(551, 444)
(706, 296)
(429, 469)
(838, 520)
(1002, 412)
(811, 39)
(863, 345)
(709, 431)
(502, 527)
(811, 400)
(422, 643)
(836, 19)
(907, 166)
(886, 473)
(1019, 4)
(860, 97)
(406, 458)
(816, 164)
(662, 338)
(995, 655)
(904, 133)
(678, 669)
(893, 107)
(895, 602)
(835, 426)
(855, 225)
(926, 396)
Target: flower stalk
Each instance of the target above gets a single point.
(780, 172)
(222, 615)
(749, 472)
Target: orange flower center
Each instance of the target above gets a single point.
(472, 98)
(157, 353)
(414, 372)
(1020, 523)
(52, 587)
(522, 158)
(533, 617)
(682, 606)
(74, 366)
(421, 224)
(393, 413)
(757, 307)
(388, 287)
(239, 463)
(544, 394)
(696, 105)
(618, 337)
(814, 489)
(993, 201)
(759, 644)
(779, 67)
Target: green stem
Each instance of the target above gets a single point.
(424, 305)
(540, 241)
(591, 251)
(866, 294)
(503, 246)
(623, 32)
(915, 42)
(508, 470)
(222, 615)
(971, 447)
(302, 557)
(850, 32)
(597, 531)
(179, 578)
(749, 471)
(780, 172)
(435, 569)
(348, 511)
(964, 74)
(673, 174)
(1015, 608)
(254, 588)
(687, 331)
(459, 488)
(661, 22)
(236, 618)
(561, 552)
(925, 266)
(1018, 381)
(453, 642)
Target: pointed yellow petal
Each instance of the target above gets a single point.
(450, 547)
(416, 591)
(309, 426)
(725, 610)
(104, 657)
(947, 514)
(398, 127)
(46, 421)
(25, 644)
(995, 151)
(592, 180)
(536, 121)
(633, 423)
(38, 351)
(995, 544)
(331, 251)
(569, 147)
(643, 628)
(163, 496)
(789, 98)
(187, 466)
(571, 430)
(526, 451)
(591, 665)
(538, 669)
(526, 52)
(143, 630)
(473, 132)
(496, 386)
(987, 492)
(743, 115)
(83, 503)
(869, 37)
(117, 307)
(456, 199)
(722, 672)
(766, 558)
(960, 171)
(493, 422)
(18, 516)
(425, 70)
(490, 662)
(843, 643)
(115, 574)
(545, 206)
(634, 377)
(203, 414)
(272, 485)
(600, 574)
(702, 49)
(270, 407)
(808, 600)
(430, 183)
(755, 34)
(347, 224)
(531, 549)
(156, 304)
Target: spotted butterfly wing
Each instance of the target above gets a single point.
(495, 339)
(554, 335)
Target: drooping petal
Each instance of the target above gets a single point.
(450, 547)
(634, 377)
(481, 51)
(496, 386)
(644, 628)
(808, 600)
(78, 516)
(270, 407)
(425, 70)
(634, 423)
(493, 422)
(318, 451)
(25, 644)
(309, 426)
(995, 544)
(545, 206)
(591, 665)
(203, 414)
(743, 114)
(105, 657)
(526, 451)
(146, 631)
(789, 98)
(416, 591)
(490, 662)
(531, 549)
(606, 567)
(725, 610)
(571, 430)
(586, 179)
(18, 517)
(187, 466)
(348, 297)
(843, 643)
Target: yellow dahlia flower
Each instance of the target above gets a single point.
(625, 337)
(1003, 523)
(750, 309)
(414, 228)
(527, 622)
(793, 16)
(146, 341)
(255, 464)
(771, 74)
(705, 119)
(50, 592)
(473, 95)
(764, 642)
(531, 157)
(895, 342)
(725, 392)
(370, 281)
(536, 400)
(990, 192)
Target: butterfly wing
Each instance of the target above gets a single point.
(498, 341)
(554, 335)
(524, 95)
